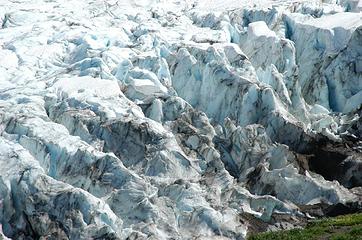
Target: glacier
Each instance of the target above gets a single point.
(181, 119)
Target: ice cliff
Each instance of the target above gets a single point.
(177, 119)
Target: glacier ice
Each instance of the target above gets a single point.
(177, 119)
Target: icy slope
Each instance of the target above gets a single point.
(177, 119)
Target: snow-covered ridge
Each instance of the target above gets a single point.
(177, 119)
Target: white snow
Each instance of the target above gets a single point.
(260, 29)
(86, 86)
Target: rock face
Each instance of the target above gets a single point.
(177, 119)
